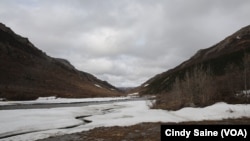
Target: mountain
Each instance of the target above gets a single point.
(28, 73)
(225, 65)
(125, 90)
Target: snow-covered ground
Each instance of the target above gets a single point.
(133, 95)
(51, 122)
(53, 99)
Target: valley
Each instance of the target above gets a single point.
(47, 98)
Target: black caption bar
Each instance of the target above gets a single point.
(192, 132)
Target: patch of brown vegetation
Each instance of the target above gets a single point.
(199, 88)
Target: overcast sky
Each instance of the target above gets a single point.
(124, 42)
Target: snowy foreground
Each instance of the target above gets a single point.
(33, 124)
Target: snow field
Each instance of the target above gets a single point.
(51, 122)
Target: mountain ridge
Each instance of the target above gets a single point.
(26, 72)
(217, 60)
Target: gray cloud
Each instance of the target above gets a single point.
(124, 42)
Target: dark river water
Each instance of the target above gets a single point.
(57, 105)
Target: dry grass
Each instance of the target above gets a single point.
(169, 101)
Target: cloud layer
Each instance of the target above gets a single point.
(124, 42)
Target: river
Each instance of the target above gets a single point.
(57, 105)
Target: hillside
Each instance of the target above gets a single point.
(27, 73)
(225, 65)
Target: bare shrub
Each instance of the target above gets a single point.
(196, 88)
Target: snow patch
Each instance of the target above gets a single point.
(145, 85)
(98, 86)
(244, 93)
(2, 99)
(46, 98)
(134, 94)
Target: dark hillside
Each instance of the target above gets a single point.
(227, 61)
(27, 73)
